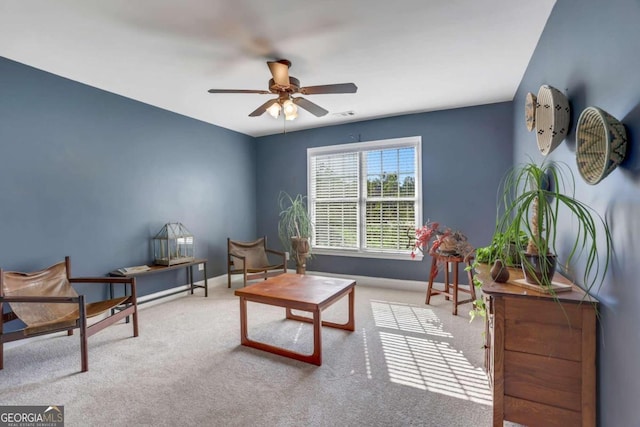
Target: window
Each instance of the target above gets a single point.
(364, 197)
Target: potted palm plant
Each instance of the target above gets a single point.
(532, 199)
(295, 228)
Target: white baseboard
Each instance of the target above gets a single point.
(212, 282)
(379, 282)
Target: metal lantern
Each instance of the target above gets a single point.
(173, 245)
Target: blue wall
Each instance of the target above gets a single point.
(465, 152)
(94, 175)
(590, 50)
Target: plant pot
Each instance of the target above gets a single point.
(537, 269)
(300, 246)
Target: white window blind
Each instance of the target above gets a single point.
(334, 190)
(363, 197)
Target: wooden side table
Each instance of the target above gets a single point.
(450, 290)
(161, 268)
(540, 353)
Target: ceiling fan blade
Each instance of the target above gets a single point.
(261, 109)
(280, 72)
(336, 88)
(262, 92)
(314, 109)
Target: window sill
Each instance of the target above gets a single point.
(404, 256)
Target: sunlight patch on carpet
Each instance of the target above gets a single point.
(433, 366)
(407, 318)
(426, 363)
(367, 358)
(295, 340)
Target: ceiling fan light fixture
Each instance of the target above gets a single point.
(291, 116)
(274, 110)
(289, 109)
(284, 86)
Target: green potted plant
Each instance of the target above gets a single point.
(532, 199)
(295, 228)
(502, 247)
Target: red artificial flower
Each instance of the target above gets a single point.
(425, 234)
(431, 238)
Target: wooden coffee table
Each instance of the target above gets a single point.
(298, 292)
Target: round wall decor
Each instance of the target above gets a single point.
(552, 118)
(601, 144)
(530, 111)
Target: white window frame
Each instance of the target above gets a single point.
(361, 148)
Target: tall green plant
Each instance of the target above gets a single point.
(532, 198)
(294, 219)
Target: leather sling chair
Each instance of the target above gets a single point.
(251, 260)
(46, 303)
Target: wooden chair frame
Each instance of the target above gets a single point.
(127, 306)
(252, 272)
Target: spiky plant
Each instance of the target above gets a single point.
(294, 220)
(532, 197)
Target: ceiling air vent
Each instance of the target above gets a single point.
(345, 114)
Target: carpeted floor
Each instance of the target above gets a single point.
(406, 364)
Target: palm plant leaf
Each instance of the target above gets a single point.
(543, 193)
(294, 219)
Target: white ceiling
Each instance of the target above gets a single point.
(405, 56)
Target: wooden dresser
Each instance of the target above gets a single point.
(540, 353)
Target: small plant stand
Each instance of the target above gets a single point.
(450, 290)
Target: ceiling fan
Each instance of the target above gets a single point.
(283, 85)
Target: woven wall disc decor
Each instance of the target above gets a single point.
(601, 144)
(530, 111)
(552, 118)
